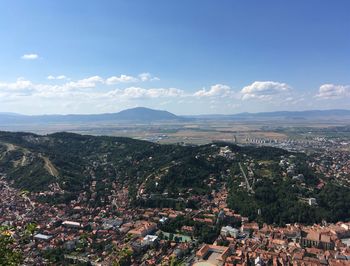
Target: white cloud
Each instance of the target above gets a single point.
(331, 91)
(30, 56)
(86, 95)
(264, 90)
(20, 84)
(147, 77)
(121, 79)
(96, 92)
(138, 93)
(86, 83)
(93, 81)
(90, 82)
(218, 90)
(143, 77)
(127, 94)
(60, 77)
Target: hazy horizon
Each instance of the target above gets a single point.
(201, 114)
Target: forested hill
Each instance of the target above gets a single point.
(66, 166)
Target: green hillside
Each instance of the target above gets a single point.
(169, 175)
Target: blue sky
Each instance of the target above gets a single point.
(185, 56)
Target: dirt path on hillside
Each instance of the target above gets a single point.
(10, 147)
(50, 167)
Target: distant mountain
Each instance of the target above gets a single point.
(139, 114)
(142, 114)
(8, 113)
(298, 115)
(302, 114)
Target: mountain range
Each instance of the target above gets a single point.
(142, 114)
(308, 114)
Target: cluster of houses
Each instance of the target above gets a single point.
(333, 164)
(97, 232)
(290, 245)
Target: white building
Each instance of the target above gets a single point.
(150, 239)
(163, 219)
(229, 231)
(42, 237)
(312, 201)
(71, 224)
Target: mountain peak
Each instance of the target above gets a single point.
(143, 113)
